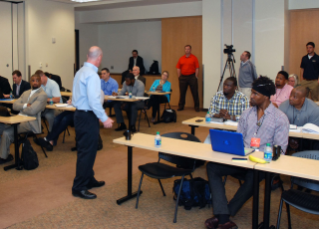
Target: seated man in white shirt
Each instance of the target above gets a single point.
(31, 103)
(51, 88)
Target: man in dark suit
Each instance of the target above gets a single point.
(137, 75)
(135, 60)
(19, 85)
(5, 87)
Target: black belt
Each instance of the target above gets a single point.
(86, 111)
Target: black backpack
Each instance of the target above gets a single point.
(169, 115)
(194, 193)
(154, 68)
(29, 156)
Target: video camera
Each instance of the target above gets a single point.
(229, 49)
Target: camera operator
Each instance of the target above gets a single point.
(247, 74)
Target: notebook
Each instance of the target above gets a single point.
(229, 142)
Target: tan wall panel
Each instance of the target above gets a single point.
(303, 28)
(176, 33)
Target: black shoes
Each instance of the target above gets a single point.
(9, 158)
(44, 144)
(132, 129)
(84, 194)
(121, 127)
(96, 184)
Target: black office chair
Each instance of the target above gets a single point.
(303, 201)
(4, 111)
(159, 170)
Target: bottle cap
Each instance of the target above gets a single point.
(157, 132)
(268, 144)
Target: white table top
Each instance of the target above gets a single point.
(124, 98)
(223, 126)
(54, 107)
(157, 93)
(196, 150)
(293, 166)
(67, 94)
(16, 119)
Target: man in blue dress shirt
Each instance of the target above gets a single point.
(108, 86)
(88, 112)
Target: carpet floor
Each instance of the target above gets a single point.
(42, 198)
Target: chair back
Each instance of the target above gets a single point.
(4, 111)
(310, 184)
(183, 162)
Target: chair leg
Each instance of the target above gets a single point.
(177, 200)
(148, 121)
(225, 179)
(169, 105)
(138, 191)
(45, 154)
(45, 123)
(64, 136)
(288, 215)
(67, 129)
(139, 120)
(279, 214)
(161, 187)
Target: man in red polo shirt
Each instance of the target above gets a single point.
(187, 71)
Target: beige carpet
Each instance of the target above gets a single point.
(42, 198)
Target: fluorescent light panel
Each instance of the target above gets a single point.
(84, 0)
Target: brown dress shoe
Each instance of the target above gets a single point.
(211, 223)
(228, 225)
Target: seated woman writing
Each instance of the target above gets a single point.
(161, 85)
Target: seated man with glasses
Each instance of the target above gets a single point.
(262, 123)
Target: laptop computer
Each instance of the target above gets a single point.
(229, 142)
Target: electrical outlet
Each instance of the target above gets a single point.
(40, 65)
(46, 65)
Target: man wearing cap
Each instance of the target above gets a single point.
(260, 124)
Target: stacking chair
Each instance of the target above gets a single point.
(160, 170)
(142, 110)
(303, 201)
(4, 111)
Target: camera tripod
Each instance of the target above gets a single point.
(230, 63)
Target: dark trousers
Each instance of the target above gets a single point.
(155, 101)
(131, 110)
(87, 133)
(215, 173)
(61, 122)
(184, 82)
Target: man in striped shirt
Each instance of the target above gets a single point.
(262, 123)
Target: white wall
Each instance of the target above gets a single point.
(303, 4)
(117, 41)
(46, 20)
(141, 12)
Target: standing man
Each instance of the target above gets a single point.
(86, 98)
(135, 60)
(247, 73)
(309, 71)
(19, 85)
(187, 72)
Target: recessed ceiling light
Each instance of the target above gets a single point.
(84, 0)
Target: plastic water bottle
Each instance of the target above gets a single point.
(11, 97)
(268, 153)
(207, 117)
(130, 95)
(158, 140)
(51, 101)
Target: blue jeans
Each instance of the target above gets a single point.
(61, 122)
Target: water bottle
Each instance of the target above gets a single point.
(11, 95)
(208, 118)
(268, 153)
(51, 101)
(130, 95)
(158, 140)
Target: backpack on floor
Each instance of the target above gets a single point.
(169, 115)
(29, 156)
(193, 194)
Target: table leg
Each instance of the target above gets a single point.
(129, 195)
(255, 200)
(193, 129)
(16, 149)
(267, 200)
